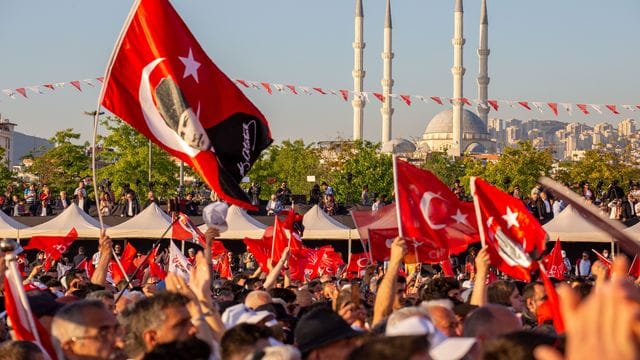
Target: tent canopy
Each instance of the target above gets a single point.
(240, 225)
(10, 228)
(151, 223)
(319, 225)
(570, 226)
(71, 217)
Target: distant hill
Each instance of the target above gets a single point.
(24, 144)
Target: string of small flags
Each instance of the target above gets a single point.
(345, 95)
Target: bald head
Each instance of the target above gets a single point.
(257, 298)
(444, 320)
(490, 321)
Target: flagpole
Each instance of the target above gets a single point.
(294, 216)
(395, 190)
(476, 206)
(96, 115)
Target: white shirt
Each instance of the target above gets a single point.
(130, 208)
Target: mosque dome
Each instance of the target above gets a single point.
(442, 123)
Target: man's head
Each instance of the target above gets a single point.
(81, 184)
(605, 253)
(20, 350)
(105, 296)
(156, 320)
(117, 248)
(543, 195)
(444, 320)
(322, 334)
(488, 322)
(242, 340)
(85, 330)
(533, 295)
(151, 195)
(191, 252)
(283, 184)
(257, 298)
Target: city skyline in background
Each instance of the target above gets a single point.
(568, 52)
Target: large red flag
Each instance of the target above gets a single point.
(514, 237)
(554, 262)
(431, 213)
(87, 265)
(163, 84)
(280, 240)
(383, 218)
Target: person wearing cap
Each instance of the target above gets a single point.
(323, 334)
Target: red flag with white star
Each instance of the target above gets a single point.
(162, 83)
(514, 237)
(432, 214)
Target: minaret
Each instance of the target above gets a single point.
(458, 72)
(483, 55)
(387, 81)
(358, 74)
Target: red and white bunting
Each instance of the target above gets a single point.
(345, 94)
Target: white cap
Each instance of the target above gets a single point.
(442, 347)
(215, 215)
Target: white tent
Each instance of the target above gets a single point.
(634, 231)
(10, 228)
(240, 225)
(71, 217)
(319, 225)
(151, 223)
(570, 226)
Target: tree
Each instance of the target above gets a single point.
(357, 164)
(6, 175)
(446, 168)
(521, 165)
(291, 161)
(125, 153)
(62, 166)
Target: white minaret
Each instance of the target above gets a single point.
(458, 72)
(387, 81)
(483, 55)
(358, 74)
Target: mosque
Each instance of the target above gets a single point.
(457, 130)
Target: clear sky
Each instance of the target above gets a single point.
(575, 51)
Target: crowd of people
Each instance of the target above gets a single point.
(384, 312)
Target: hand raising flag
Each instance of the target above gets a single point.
(53, 246)
(515, 239)
(163, 84)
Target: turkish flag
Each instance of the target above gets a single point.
(280, 240)
(185, 229)
(162, 83)
(384, 218)
(53, 246)
(447, 268)
(357, 265)
(380, 241)
(431, 213)
(514, 237)
(634, 269)
(260, 250)
(329, 261)
(128, 255)
(222, 266)
(554, 263)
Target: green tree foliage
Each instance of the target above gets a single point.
(125, 155)
(291, 161)
(597, 165)
(521, 165)
(62, 166)
(367, 166)
(6, 176)
(446, 168)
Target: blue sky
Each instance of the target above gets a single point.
(576, 51)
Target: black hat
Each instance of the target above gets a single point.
(321, 327)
